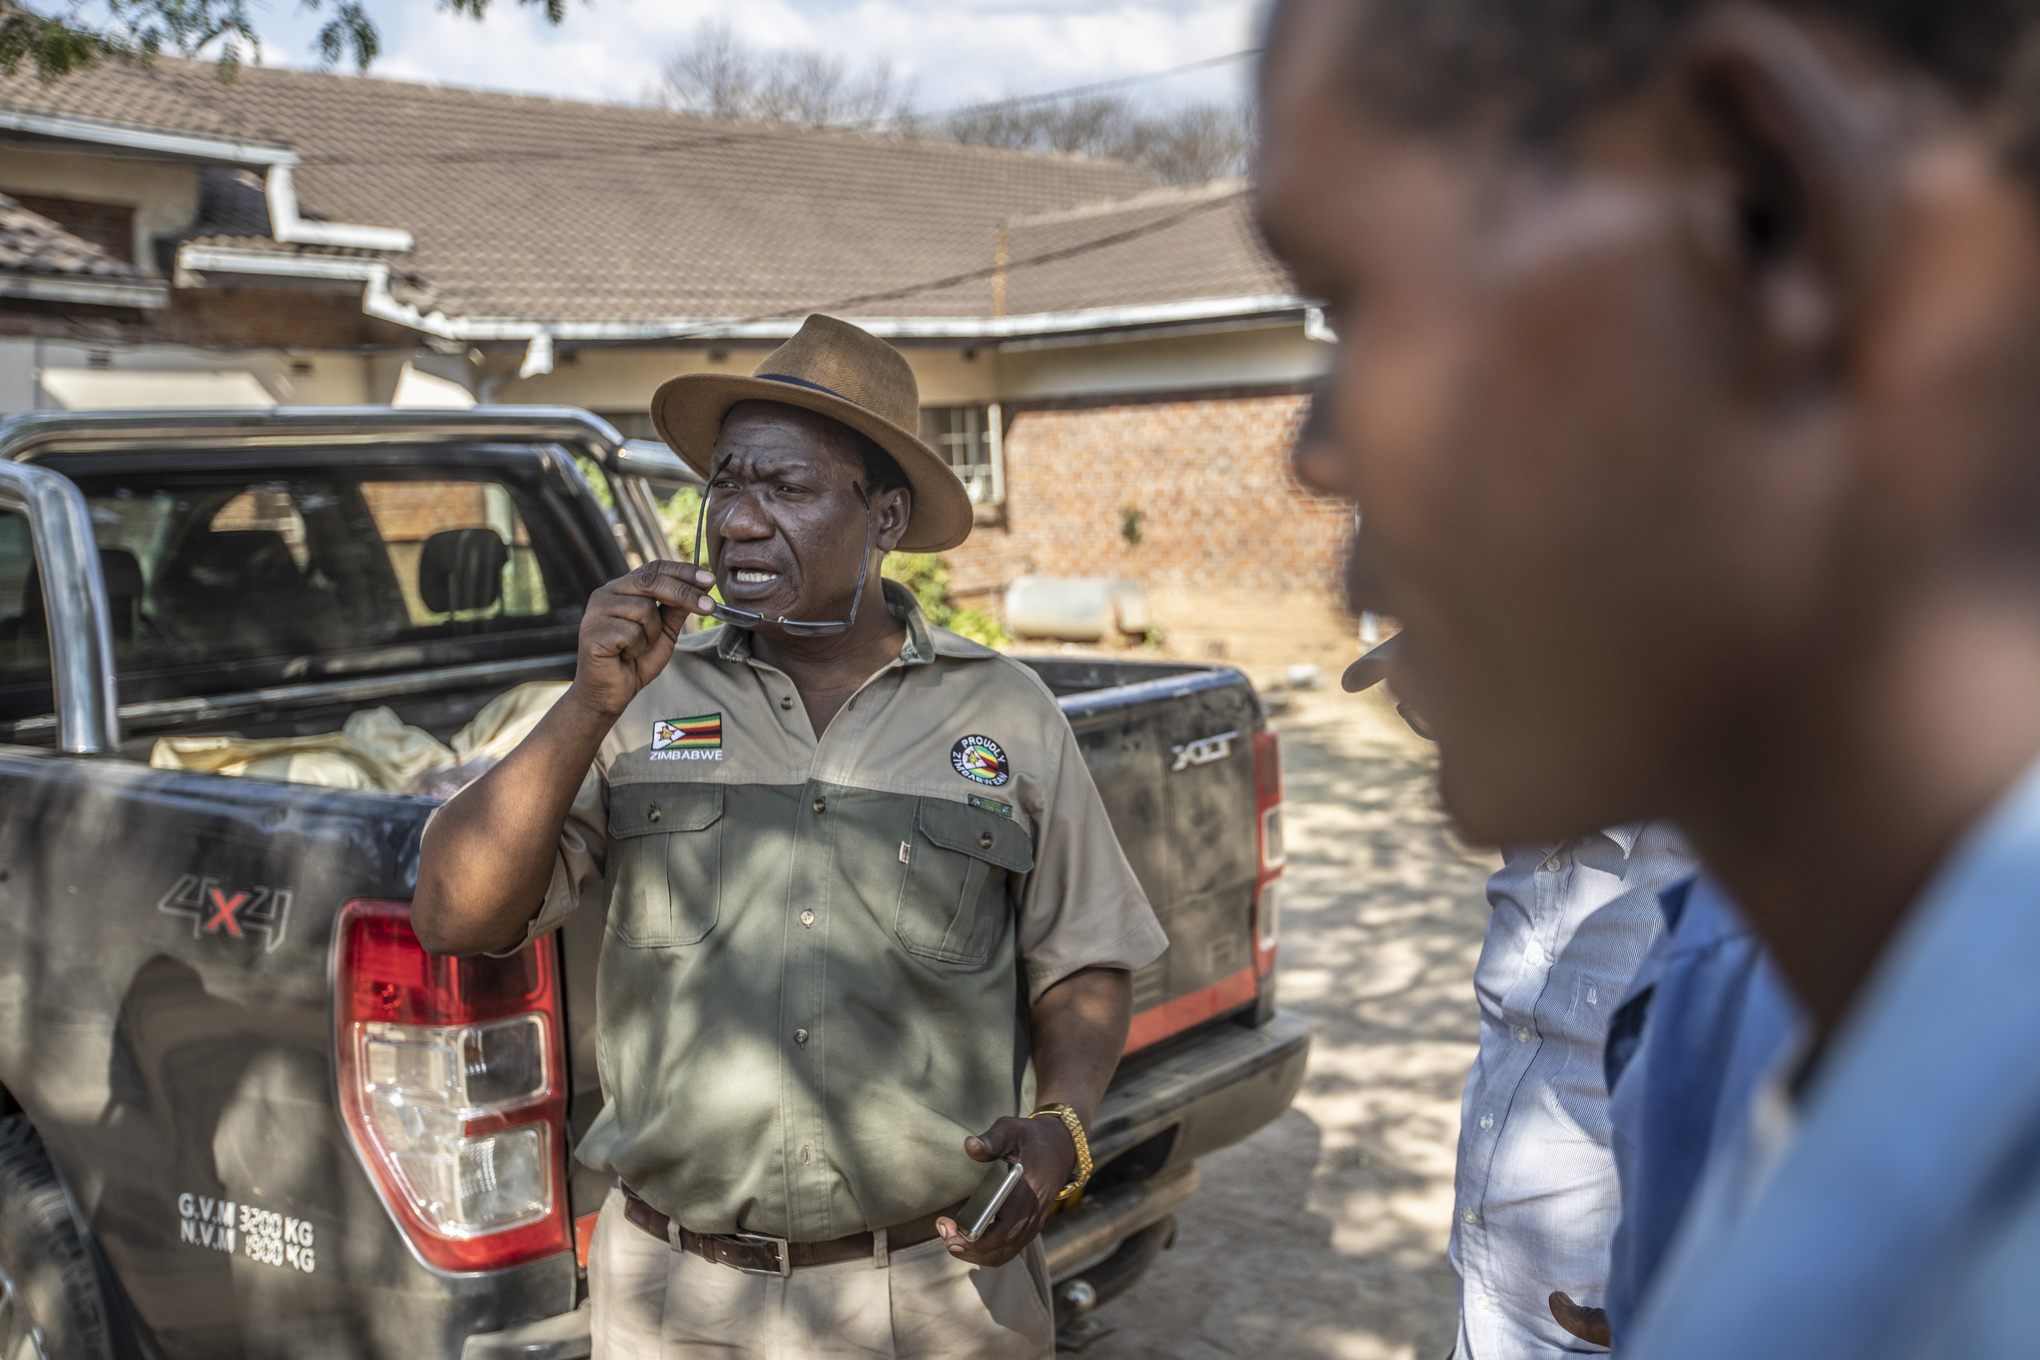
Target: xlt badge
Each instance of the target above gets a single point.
(1202, 751)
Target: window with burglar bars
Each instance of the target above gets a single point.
(968, 436)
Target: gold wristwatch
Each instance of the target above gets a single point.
(1081, 1174)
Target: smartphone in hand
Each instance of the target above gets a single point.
(977, 1213)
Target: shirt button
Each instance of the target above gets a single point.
(807, 918)
(1481, 1303)
(786, 701)
(1470, 1216)
(1522, 1034)
(985, 841)
(652, 813)
(1552, 865)
(821, 805)
(1487, 1121)
(800, 1037)
(1535, 954)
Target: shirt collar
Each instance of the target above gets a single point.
(1625, 837)
(922, 646)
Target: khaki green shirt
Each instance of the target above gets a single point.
(811, 984)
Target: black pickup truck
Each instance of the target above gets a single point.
(242, 1113)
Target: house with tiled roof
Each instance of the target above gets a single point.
(1113, 365)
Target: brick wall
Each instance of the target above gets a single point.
(110, 226)
(258, 318)
(414, 511)
(1208, 472)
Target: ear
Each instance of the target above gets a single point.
(1791, 198)
(890, 512)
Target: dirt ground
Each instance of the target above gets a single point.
(1324, 1234)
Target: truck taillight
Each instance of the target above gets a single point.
(452, 1090)
(1268, 873)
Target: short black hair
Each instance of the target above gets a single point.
(1538, 68)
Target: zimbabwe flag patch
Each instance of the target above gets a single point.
(688, 734)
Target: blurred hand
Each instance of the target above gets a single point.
(1046, 1155)
(629, 629)
(1588, 1324)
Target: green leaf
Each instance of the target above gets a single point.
(136, 30)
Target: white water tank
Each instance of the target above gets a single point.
(1075, 608)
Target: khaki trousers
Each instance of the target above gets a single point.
(653, 1303)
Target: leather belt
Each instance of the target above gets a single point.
(756, 1254)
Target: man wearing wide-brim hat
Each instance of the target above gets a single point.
(869, 929)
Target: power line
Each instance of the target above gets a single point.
(1067, 252)
(1117, 82)
(758, 129)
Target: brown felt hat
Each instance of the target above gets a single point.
(834, 369)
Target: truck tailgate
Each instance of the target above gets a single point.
(1173, 758)
(164, 983)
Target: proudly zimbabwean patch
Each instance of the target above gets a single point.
(687, 734)
(979, 758)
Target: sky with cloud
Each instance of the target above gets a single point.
(954, 51)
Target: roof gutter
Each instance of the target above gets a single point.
(373, 276)
(961, 328)
(377, 301)
(285, 224)
(150, 141)
(144, 294)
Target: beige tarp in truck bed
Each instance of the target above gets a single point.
(374, 749)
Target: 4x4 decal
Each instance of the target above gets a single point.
(214, 910)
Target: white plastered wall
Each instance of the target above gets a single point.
(17, 375)
(288, 377)
(163, 194)
(615, 379)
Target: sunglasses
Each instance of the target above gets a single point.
(745, 618)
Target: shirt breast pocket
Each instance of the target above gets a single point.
(953, 899)
(665, 863)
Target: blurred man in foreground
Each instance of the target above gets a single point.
(1687, 383)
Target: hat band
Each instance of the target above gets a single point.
(803, 382)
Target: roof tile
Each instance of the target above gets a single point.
(32, 244)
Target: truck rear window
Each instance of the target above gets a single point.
(307, 565)
(227, 580)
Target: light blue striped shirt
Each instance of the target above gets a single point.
(1536, 1199)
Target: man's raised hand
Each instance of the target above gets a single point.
(629, 629)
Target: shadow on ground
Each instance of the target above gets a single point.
(1324, 1234)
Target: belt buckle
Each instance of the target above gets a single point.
(779, 1245)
